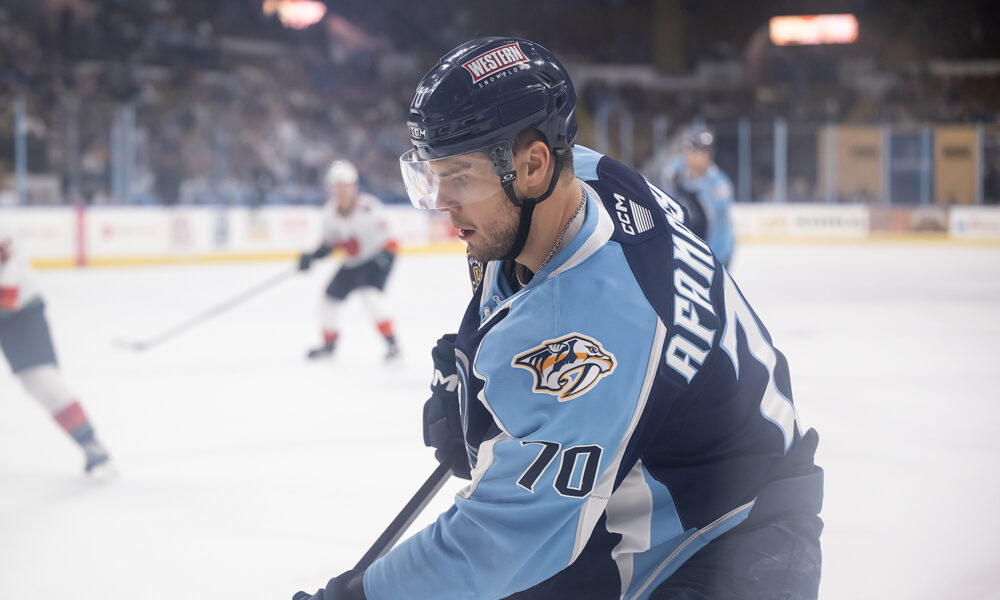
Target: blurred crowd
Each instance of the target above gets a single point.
(249, 114)
(219, 103)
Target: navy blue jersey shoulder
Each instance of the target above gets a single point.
(640, 227)
(478, 423)
(704, 436)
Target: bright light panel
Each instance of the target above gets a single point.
(814, 29)
(297, 14)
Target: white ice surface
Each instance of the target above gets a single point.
(247, 472)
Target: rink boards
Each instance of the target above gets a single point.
(68, 236)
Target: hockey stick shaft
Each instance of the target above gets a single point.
(215, 311)
(405, 518)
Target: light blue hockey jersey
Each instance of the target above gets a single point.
(714, 193)
(621, 411)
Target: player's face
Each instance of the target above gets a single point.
(346, 195)
(477, 206)
(442, 183)
(463, 180)
(489, 228)
(697, 161)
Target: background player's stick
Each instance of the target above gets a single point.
(405, 518)
(203, 316)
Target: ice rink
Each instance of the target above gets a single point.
(248, 473)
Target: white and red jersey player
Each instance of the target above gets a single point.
(356, 223)
(27, 345)
(361, 232)
(18, 287)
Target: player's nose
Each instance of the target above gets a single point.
(446, 203)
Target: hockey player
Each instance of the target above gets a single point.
(705, 191)
(625, 421)
(27, 344)
(356, 223)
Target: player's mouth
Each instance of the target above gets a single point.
(464, 233)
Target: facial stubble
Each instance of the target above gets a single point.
(499, 234)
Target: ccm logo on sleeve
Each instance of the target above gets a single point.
(634, 219)
(566, 367)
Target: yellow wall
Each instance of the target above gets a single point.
(858, 152)
(955, 164)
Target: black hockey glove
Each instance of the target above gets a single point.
(306, 258)
(384, 259)
(347, 586)
(442, 421)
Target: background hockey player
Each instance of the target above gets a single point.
(356, 223)
(694, 180)
(627, 425)
(27, 344)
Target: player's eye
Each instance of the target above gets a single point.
(454, 182)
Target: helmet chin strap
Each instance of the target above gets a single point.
(528, 206)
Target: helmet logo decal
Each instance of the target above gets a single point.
(494, 61)
(567, 367)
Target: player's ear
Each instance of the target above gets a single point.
(533, 164)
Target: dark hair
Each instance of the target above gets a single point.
(528, 136)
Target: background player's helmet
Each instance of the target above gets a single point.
(341, 171)
(476, 100)
(699, 140)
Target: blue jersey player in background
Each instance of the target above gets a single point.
(695, 181)
(624, 419)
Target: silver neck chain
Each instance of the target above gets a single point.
(552, 252)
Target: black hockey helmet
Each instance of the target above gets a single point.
(473, 103)
(699, 140)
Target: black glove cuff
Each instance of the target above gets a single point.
(322, 251)
(349, 585)
(355, 586)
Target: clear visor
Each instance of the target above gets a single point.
(456, 180)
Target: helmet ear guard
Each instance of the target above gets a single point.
(502, 157)
(558, 162)
(527, 205)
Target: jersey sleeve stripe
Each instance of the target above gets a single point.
(630, 514)
(696, 541)
(598, 500)
(484, 461)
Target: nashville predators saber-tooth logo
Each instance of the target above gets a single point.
(566, 367)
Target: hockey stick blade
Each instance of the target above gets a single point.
(405, 518)
(206, 315)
